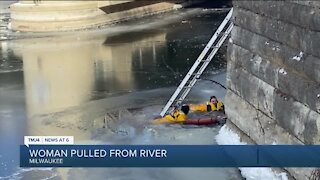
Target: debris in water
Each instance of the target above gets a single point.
(282, 71)
(298, 57)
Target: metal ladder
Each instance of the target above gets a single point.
(186, 83)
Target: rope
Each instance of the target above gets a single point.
(213, 81)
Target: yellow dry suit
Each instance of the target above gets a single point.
(207, 107)
(176, 117)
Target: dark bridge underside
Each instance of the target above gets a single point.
(133, 4)
(141, 3)
(211, 3)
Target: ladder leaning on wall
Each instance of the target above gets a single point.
(200, 65)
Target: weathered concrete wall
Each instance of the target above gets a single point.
(274, 73)
(72, 15)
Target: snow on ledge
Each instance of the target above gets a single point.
(227, 137)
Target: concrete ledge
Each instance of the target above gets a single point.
(48, 6)
(86, 15)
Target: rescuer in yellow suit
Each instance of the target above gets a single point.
(212, 105)
(178, 116)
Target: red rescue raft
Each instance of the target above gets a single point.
(206, 121)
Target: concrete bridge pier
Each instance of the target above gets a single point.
(44, 15)
(273, 74)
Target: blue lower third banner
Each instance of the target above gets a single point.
(170, 156)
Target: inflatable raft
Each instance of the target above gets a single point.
(208, 118)
(206, 121)
(200, 119)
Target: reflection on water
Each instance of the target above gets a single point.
(68, 82)
(62, 72)
(66, 72)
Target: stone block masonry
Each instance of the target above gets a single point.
(273, 74)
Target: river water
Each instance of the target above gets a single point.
(65, 83)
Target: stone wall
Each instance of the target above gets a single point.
(274, 73)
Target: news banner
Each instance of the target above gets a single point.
(60, 151)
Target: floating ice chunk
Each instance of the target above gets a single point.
(258, 60)
(298, 57)
(262, 173)
(318, 95)
(276, 48)
(227, 137)
(282, 71)
(230, 40)
(266, 43)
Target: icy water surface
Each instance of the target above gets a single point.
(65, 83)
